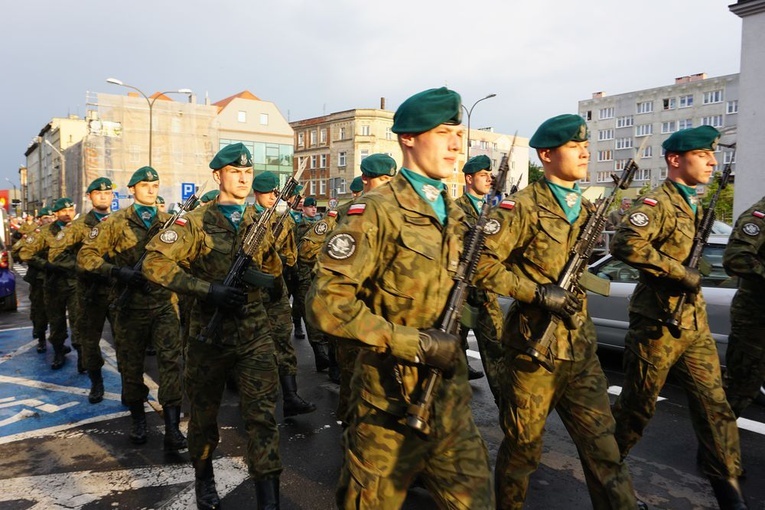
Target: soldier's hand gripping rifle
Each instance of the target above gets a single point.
(699, 240)
(292, 202)
(540, 347)
(418, 413)
(186, 206)
(253, 238)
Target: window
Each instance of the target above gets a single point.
(645, 107)
(669, 127)
(619, 164)
(606, 155)
(323, 161)
(604, 177)
(241, 116)
(606, 113)
(686, 101)
(728, 157)
(135, 154)
(643, 174)
(732, 107)
(606, 134)
(313, 138)
(647, 152)
(322, 186)
(714, 121)
(341, 187)
(363, 154)
(342, 133)
(663, 173)
(365, 130)
(684, 124)
(263, 119)
(623, 143)
(341, 158)
(713, 96)
(323, 136)
(454, 191)
(313, 161)
(301, 139)
(644, 130)
(670, 103)
(312, 188)
(624, 121)
(587, 115)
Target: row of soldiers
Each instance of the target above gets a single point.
(378, 273)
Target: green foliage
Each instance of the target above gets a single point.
(724, 206)
(644, 189)
(535, 172)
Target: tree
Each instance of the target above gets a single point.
(724, 206)
(535, 172)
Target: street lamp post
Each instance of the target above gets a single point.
(62, 168)
(149, 101)
(469, 113)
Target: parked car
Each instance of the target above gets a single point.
(7, 280)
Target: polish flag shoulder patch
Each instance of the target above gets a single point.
(357, 209)
(650, 201)
(758, 214)
(332, 214)
(507, 204)
(181, 221)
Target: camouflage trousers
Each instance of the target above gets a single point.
(577, 390)
(94, 305)
(254, 366)
(292, 280)
(37, 313)
(651, 351)
(277, 307)
(383, 456)
(346, 353)
(60, 297)
(315, 336)
(134, 329)
(745, 361)
(488, 332)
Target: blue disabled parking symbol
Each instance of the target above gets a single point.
(36, 400)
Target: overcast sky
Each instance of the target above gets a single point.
(317, 57)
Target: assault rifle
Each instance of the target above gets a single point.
(186, 206)
(418, 413)
(253, 238)
(514, 187)
(291, 204)
(540, 348)
(699, 240)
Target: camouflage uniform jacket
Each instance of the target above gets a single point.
(64, 252)
(26, 230)
(36, 247)
(312, 241)
(120, 241)
(385, 273)
(656, 238)
(198, 250)
(476, 297)
(284, 250)
(527, 245)
(745, 257)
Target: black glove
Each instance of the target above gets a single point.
(128, 276)
(52, 268)
(226, 297)
(276, 292)
(557, 300)
(439, 350)
(691, 282)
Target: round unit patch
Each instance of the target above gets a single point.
(751, 229)
(93, 233)
(492, 227)
(321, 228)
(60, 235)
(341, 246)
(639, 219)
(168, 236)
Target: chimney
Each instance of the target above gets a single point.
(598, 95)
(382, 103)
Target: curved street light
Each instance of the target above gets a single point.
(149, 101)
(469, 113)
(61, 167)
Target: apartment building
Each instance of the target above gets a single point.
(623, 123)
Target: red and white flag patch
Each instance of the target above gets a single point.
(181, 221)
(758, 214)
(650, 201)
(332, 214)
(507, 204)
(357, 209)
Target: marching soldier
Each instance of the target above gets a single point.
(383, 280)
(161, 205)
(194, 256)
(276, 301)
(92, 290)
(656, 238)
(527, 247)
(149, 313)
(356, 187)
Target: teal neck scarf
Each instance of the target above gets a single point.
(569, 199)
(100, 216)
(477, 202)
(146, 213)
(233, 213)
(689, 194)
(430, 190)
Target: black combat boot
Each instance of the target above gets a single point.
(96, 394)
(267, 493)
(474, 374)
(80, 366)
(728, 493)
(138, 428)
(204, 485)
(333, 371)
(42, 345)
(320, 356)
(298, 329)
(293, 404)
(59, 357)
(174, 439)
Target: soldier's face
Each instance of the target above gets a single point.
(479, 183)
(65, 215)
(433, 153)
(309, 210)
(371, 183)
(145, 193)
(235, 183)
(566, 164)
(266, 200)
(101, 199)
(692, 167)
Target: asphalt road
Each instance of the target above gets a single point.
(57, 451)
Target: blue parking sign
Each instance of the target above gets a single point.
(116, 201)
(187, 189)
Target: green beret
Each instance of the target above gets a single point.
(559, 130)
(376, 165)
(209, 196)
(476, 164)
(160, 200)
(44, 211)
(145, 173)
(309, 201)
(426, 110)
(100, 184)
(698, 138)
(357, 185)
(235, 154)
(61, 203)
(265, 182)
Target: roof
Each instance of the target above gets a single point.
(245, 94)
